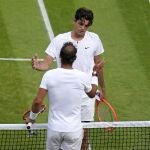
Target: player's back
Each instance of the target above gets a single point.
(65, 90)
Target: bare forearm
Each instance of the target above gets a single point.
(101, 81)
(37, 102)
(99, 65)
(36, 105)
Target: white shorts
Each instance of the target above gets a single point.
(87, 109)
(64, 140)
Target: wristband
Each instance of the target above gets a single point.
(33, 116)
(94, 80)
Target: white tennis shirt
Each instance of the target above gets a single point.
(87, 48)
(65, 88)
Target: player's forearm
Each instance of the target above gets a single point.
(37, 102)
(36, 105)
(101, 81)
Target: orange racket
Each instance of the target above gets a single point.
(105, 111)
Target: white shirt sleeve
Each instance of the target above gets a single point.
(52, 48)
(44, 82)
(87, 83)
(99, 48)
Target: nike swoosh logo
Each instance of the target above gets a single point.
(87, 47)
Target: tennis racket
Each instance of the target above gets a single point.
(105, 111)
(26, 115)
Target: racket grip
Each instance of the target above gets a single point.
(29, 125)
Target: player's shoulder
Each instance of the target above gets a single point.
(51, 72)
(92, 35)
(80, 73)
(82, 76)
(63, 35)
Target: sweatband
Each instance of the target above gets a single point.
(33, 116)
(94, 80)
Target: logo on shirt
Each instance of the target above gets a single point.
(87, 47)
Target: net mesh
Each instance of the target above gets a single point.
(124, 136)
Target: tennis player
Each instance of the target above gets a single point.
(65, 87)
(89, 51)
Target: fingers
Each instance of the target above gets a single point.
(36, 56)
(27, 120)
(34, 61)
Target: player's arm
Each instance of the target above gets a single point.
(99, 65)
(36, 105)
(93, 86)
(37, 102)
(42, 65)
(92, 93)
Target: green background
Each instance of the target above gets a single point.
(124, 28)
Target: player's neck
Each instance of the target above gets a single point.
(76, 37)
(66, 66)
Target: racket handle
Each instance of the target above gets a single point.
(29, 125)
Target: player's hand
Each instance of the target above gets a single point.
(35, 62)
(100, 95)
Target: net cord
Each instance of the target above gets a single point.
(85, 125)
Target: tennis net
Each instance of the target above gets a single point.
(130, 135)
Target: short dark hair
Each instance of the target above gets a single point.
(84, 13)
(68, 53)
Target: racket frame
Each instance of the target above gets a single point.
(113, 112)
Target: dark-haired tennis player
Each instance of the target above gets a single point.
(65, 87)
